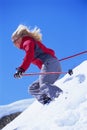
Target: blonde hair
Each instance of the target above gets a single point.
(22, 31)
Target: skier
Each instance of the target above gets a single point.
(38, 54)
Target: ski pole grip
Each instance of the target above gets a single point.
(70, 72)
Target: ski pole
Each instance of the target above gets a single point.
(73, 56)
(70, 72)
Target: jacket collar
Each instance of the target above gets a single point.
(23, 40)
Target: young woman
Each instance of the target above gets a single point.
(38, 54)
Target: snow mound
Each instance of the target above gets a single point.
(17, 106)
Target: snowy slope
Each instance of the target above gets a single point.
(68, 112)
(17, 106)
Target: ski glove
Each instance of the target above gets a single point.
(19, 73)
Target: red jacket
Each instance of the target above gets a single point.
(36, 53)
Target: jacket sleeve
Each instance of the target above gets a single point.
(28, 46)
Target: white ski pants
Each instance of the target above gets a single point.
(44, 85)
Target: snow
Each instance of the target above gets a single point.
(68, 112)
(17, 106)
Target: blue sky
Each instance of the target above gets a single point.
(63, 24)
